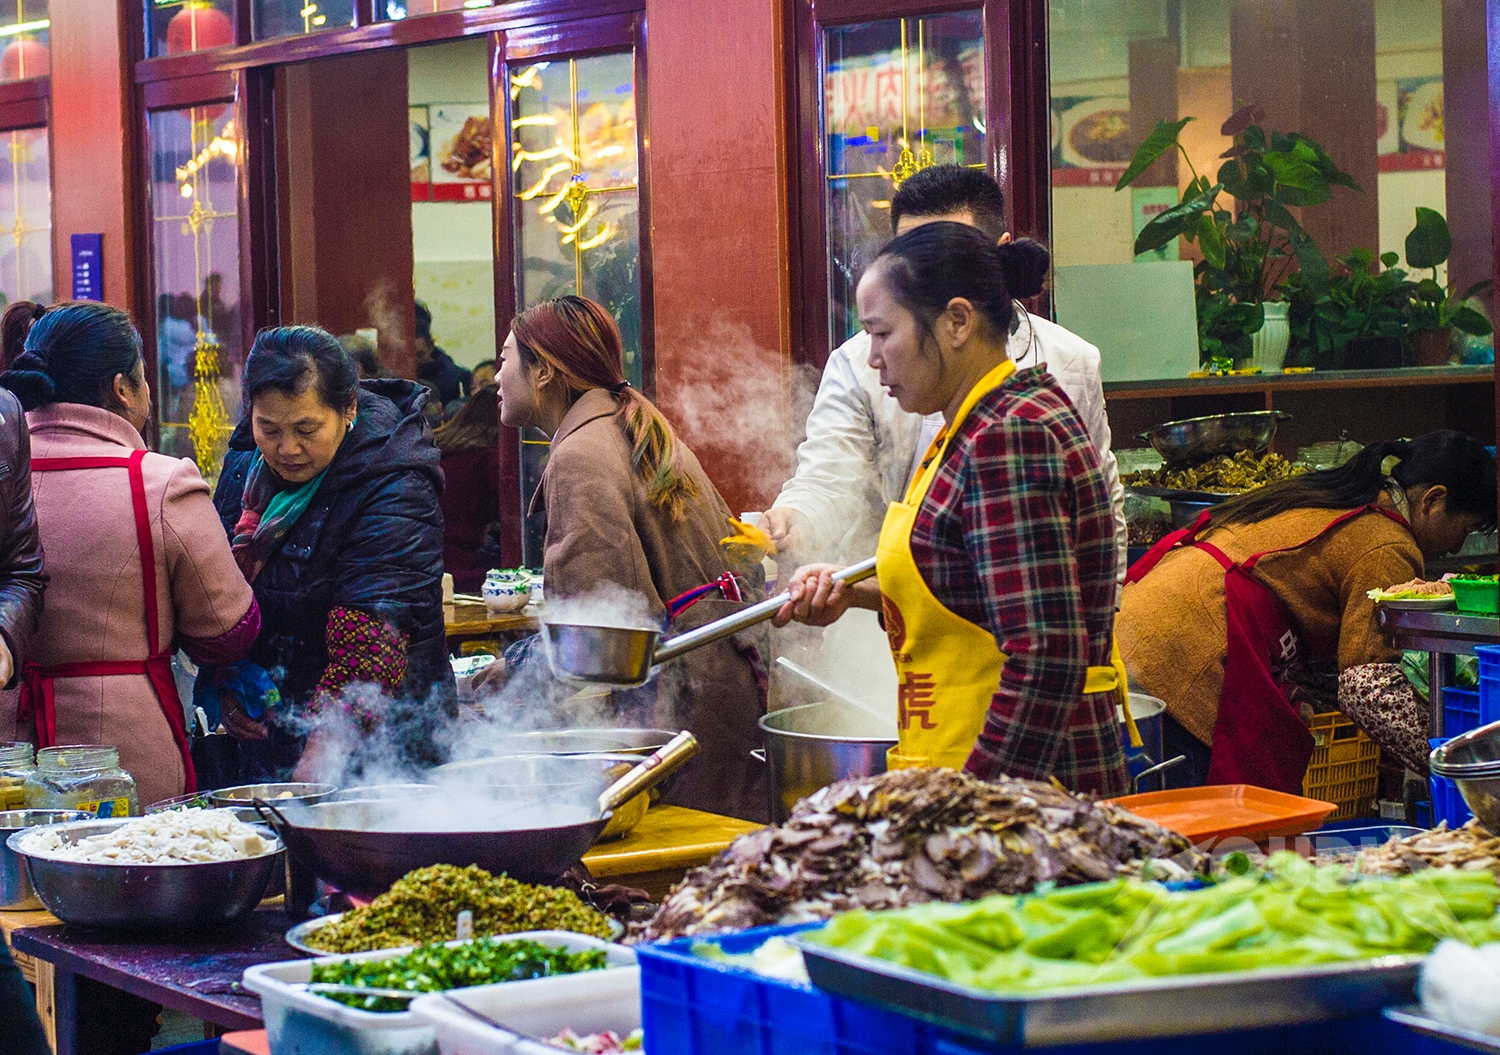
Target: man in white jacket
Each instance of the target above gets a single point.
(861, 447)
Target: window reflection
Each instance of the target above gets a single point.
(398, 9)
(26, 218)
(174, 27)
(898, 95)
(287, 18)
(195, 213)
(1364, 80)
(576, 206)
(23, 40)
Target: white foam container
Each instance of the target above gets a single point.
(585, 1003)
(303, 1023)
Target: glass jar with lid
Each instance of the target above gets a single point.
(15, 766)
(83, 777)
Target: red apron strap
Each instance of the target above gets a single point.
(1342, 518)
(1153, 556)
(38, 694)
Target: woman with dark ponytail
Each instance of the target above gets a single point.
(997, 574)
(628, 504)
(1235, 621)
(139, 565)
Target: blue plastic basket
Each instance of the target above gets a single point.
(1447, 804)
(1489, 682)
(694, 1006)
(1461, 711)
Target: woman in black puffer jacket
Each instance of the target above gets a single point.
(330, 497)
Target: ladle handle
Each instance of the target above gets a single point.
(730, 625)
(661, 764)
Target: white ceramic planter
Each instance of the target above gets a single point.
(1270, 341)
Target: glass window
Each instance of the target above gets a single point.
(23, 40)
(290, 18)
(577, 200)
(396, 9)
(26, 218)
(174, 27)
(195, 216)
(898, 95)
(1334, 120)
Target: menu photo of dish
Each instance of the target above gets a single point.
(1422, 113)
(461, 138)
(421, 155)
(1095, 133)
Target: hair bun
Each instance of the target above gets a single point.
(1025, 262)
(32, 387)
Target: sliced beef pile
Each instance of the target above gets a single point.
(912, 836)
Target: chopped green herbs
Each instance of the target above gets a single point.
(434, 968)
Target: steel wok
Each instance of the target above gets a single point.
(363, 846)
(624, 656)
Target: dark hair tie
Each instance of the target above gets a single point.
(617, 389)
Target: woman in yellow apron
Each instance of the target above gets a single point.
(995, 575)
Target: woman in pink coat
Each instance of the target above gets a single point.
(138, 561)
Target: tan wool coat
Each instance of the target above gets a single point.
(95, 603)
(602, 529)
(1171, 626)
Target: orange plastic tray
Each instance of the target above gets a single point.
(1222, 810)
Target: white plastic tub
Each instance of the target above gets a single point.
(303, 1023)
(585, 1003)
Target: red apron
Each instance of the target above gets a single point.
(38, 699)
(1259, 737)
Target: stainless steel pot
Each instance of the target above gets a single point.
(817, 744)
(16, 892)
(1194, 440)
(624, 656)
(1147, 712)
(147, 897)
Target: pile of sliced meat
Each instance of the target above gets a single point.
(1471, 848)
(913, 836)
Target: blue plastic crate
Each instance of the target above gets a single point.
(1461, 711)
(1447, 804)
(1489, 682)
(694, 1006)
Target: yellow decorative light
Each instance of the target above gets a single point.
(208, 424)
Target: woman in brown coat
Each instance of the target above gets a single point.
(629, 507)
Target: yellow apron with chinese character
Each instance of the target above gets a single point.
(947, 668)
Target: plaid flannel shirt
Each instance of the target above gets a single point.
(1016, 535)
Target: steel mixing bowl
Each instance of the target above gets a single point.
(1472, 762)
(145, 896)
(245, 794)
(1194, 440)
(16, 893)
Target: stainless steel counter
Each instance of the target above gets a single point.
(1441, 635)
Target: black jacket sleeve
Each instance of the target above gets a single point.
(22, 579)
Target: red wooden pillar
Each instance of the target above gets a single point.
(1310, 65)
(92, 161)
(718, 237)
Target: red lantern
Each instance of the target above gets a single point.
(197, 27)
(24, 57)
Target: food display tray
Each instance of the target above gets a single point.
(1223, 810)
(1157, 1007)
(1411, 1016)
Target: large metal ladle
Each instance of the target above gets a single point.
(624, 656)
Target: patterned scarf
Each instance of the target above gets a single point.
(267, 513)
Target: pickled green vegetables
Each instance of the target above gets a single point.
(1295, 914)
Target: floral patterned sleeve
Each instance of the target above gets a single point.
(1378, 698)
(361, 648)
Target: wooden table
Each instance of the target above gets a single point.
(38, 972)
(469, 622)
(200, 976)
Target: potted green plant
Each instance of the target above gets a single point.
(1243, 224)
(1352, 315)
(1436, 311)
